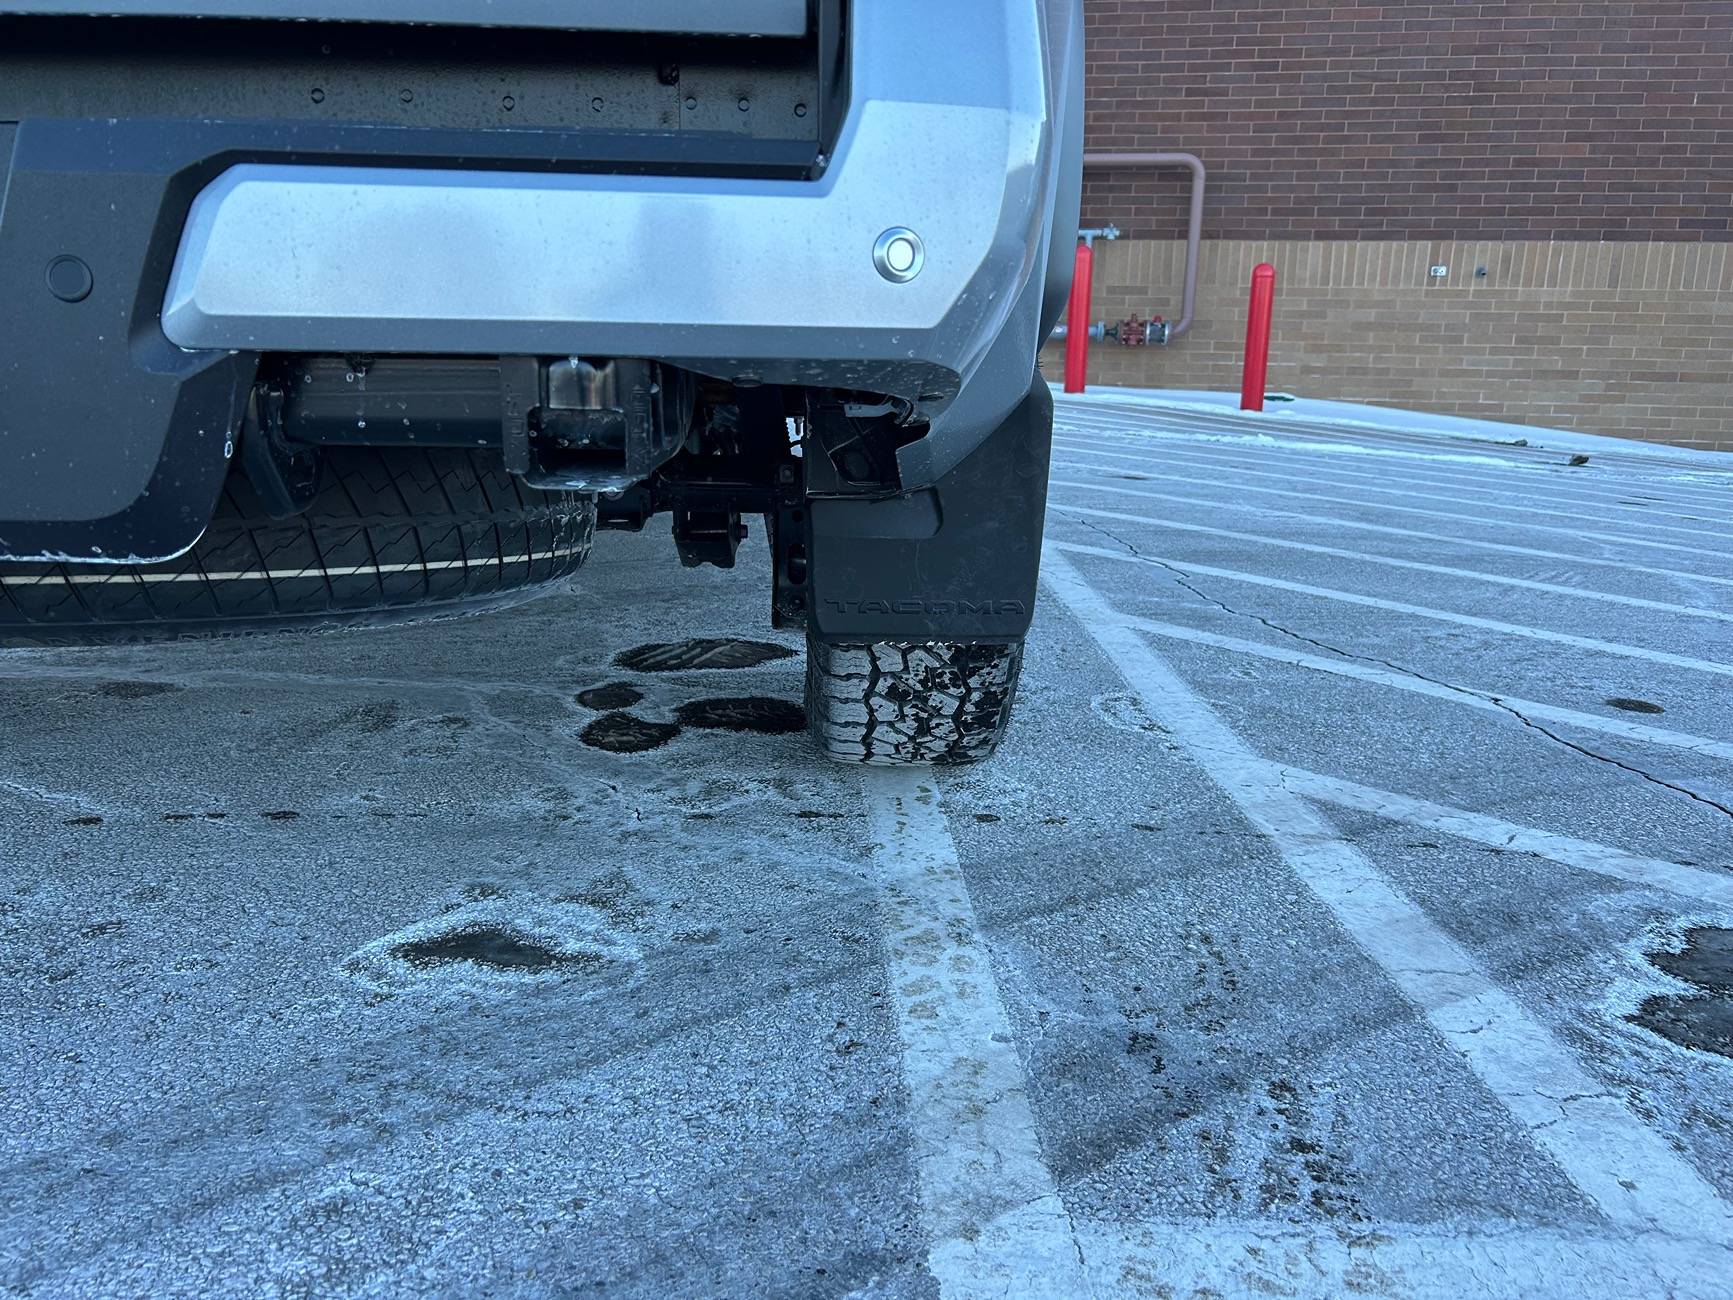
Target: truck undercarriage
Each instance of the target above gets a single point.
(261, 278)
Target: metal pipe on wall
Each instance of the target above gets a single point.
(1194, 224)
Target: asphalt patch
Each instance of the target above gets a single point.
(493, 948)
(1634, 706)
(625, 733)
(615, 695)
(703, 652)
(1702, 1021)
(746, 713)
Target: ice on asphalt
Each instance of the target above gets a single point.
(341, 965)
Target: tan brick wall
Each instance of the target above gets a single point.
(1632, 339)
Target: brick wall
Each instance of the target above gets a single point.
(1527, 119)
(1519, 124)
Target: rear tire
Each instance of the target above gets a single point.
(390, 536)
(897, 703)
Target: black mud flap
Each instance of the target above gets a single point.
(954, 562)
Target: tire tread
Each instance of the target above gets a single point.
(420, 528)
(893, 704)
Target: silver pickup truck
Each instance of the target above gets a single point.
(321, 312)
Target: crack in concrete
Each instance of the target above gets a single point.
(1184, 580)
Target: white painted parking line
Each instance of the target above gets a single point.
(1274, 1258)
(1488, 700)
(1309, 433)
(1389, 530)
(1602, 468)
(1390, 561)
(1286, 441)
(1529, 451)
(1166, 474)
(1225, 425)
(1534, 486)
(1640, 500)
(993, 1216)
(1527, 447)
(1544, 476)
(1161, 468)
(1696, 883)
(1628, 1172)
(1191, 568)
(1274, 442)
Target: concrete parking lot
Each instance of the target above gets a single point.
(1348, 913)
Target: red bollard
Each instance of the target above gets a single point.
(1077, 321)
(1258, 337)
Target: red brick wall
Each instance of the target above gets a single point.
(1502, 119)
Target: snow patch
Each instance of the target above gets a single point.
(493, 945)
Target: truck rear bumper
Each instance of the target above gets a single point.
(735, 275)
(209, 242)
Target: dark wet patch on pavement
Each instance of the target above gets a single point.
(1634, 706)
(745, 713)
(493, 947)
(702, 652)
(624, 733)
(614, 695)
(493, 937)
(1701, 1021)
